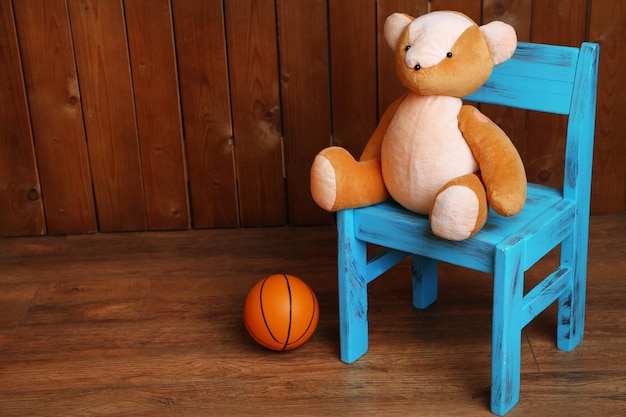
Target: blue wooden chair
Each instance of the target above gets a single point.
(544, 78)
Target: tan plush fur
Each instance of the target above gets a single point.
(500, 166)
(429, 151)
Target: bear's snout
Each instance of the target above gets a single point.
(424, 58)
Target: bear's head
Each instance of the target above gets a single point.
(446, 53)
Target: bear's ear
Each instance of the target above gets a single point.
(501, 40)
(394, 27)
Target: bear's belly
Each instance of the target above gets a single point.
(423, 149)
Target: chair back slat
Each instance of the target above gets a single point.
(554, 79)
(537, 77)
(580, 130)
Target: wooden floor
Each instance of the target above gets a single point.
(150, 324)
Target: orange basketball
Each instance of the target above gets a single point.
(281, 312)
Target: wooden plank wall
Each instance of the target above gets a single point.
(119, 115)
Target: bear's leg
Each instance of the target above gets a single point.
(338, 181)
(460, 208)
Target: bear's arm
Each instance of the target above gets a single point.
(500, 164)
(375, 142)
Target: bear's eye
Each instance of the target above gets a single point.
(449, 54)
(406, 48)
(417, 67)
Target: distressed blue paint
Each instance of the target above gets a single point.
(352, 257)
(556, 79)
(402, 230)
(424, 274)
(382, 261)
(508, 290)
(544, 294)
(536, 78)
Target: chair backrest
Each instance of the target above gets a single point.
(560, 80)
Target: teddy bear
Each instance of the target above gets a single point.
(430, 152)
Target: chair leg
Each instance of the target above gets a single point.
(352, 262)
(571, 316)
(425, 283)
(508, 292)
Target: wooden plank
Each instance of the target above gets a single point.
(21, 209)
(389, 86)
(14, 302)
(99, 35)
(353, 73)
(609, 170)
(561, 23)
(472, 8)
(253, 66)
(56, 115)
(155, 83)
(281, 394)
(517, 14)
(303, 44)
(203, 73)
(138, 342)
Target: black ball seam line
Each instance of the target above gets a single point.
(267, 326)
(310, 321)
(290, 311)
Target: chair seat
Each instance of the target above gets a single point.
(395, 227)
